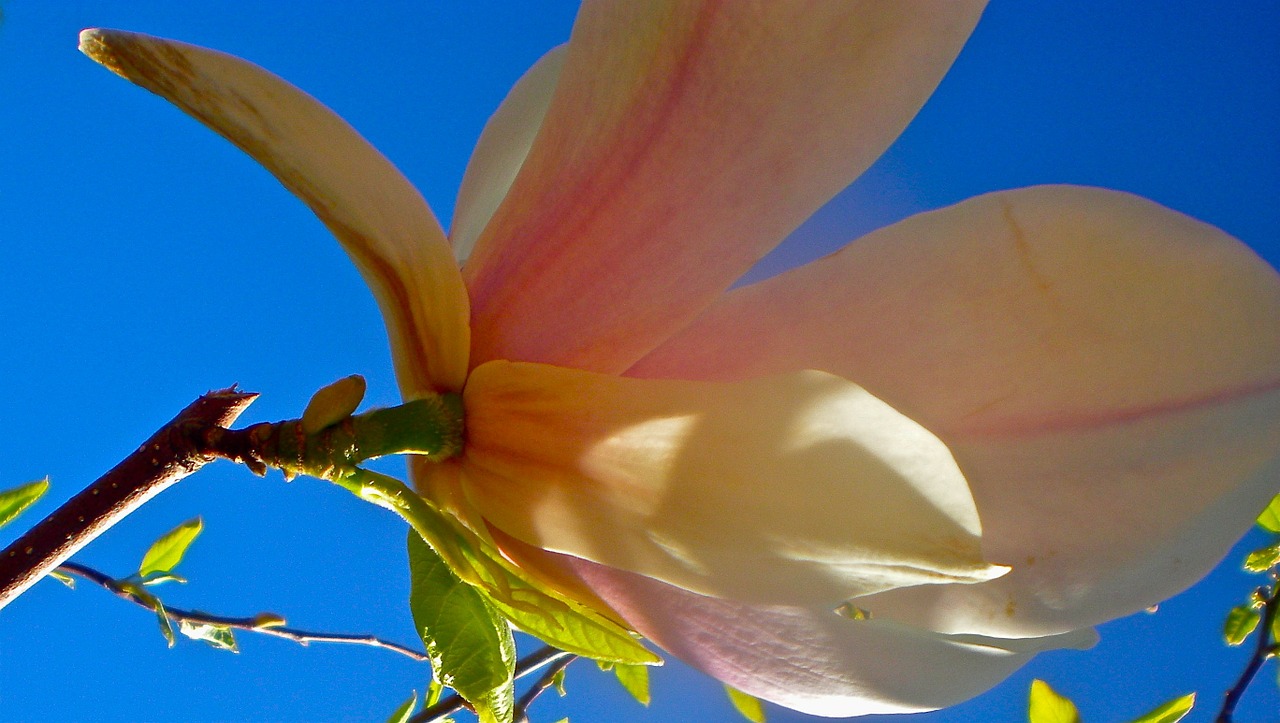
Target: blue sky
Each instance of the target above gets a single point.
(144, 260)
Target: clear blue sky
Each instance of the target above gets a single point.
(143, 260)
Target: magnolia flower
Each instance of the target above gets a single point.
(988, 428)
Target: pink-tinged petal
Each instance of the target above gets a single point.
(501, 149)
(813, 660)
(798, 489)
(377, 215)
(1106, 371)
(685, 140)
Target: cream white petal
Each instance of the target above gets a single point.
(1105, 370)
(812, 660)
(503, 145)
(379, 217)
(800, 489)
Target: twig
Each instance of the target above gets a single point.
(1264, 649)
(170, 454)
(545, 681)
(526, 665)
(302, 637)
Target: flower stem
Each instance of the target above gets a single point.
(430, 427)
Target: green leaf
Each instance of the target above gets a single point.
(167, 551)
(534, 608)
(14, 501)
(747, 705)
(405, 711)
(432, 696)
(1263, 558)
(469, 643)
(152, 602)
(162, 577)
(63, 578)
(218, 636)
(1269, 520)
(1241, 621)
(635, 678)
(1170, 712)
(557, 681)
(166, 625)
(1046, 705)
(569, 625)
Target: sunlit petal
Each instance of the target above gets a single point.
(801, 488)
(1106, 371)
(683, 142)
(381, 220)
(501, 150)
(813, 660)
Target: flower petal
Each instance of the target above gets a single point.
(801, 488)
(1106, 371)
(503, 145)
(381, 220)
(683, 142)
(810, 660)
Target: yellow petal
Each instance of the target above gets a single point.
(801, 488)
(381, 220)
(501, 150)
(1106, 371)
(684, 140)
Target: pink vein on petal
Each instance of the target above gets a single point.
(1028, 426)
(632, 154)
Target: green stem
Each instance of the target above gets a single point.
(430, 427)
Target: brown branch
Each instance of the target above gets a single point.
(546, 680)
(1265, 648)
(302, 637)
(526, 665)
(172, 453)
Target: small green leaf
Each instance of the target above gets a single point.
(405, 711)
(63, 578)
(469, 643)
(635, 678)
(1269, 520)
(1170, 712)
(557, 681)
(1046, 705)
(167, 551)
(14, 501)
(152, 602)
(162, 577)
(1241, 621)
(1263, 558)
(749, 706)
(218, 636)
(166, 625)
(434, 690)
